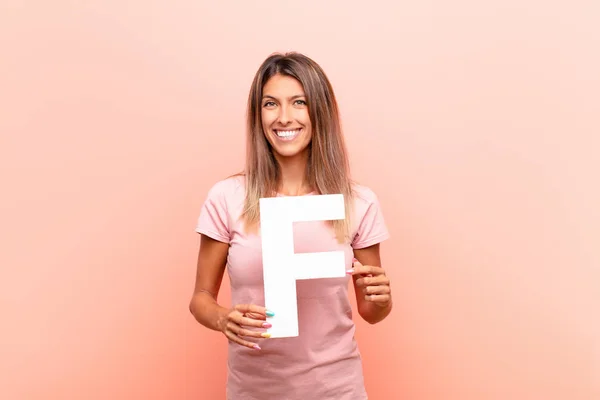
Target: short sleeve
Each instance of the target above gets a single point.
(372, 228)
(214, 217)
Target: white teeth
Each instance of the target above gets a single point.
(287, 133)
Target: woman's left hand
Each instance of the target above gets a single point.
(373, 282)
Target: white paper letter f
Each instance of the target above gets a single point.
(281, 266)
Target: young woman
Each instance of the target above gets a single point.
(295, 148)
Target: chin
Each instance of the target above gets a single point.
(288, 153)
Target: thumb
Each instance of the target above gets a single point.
(357, 265)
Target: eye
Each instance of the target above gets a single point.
(300, 102)
(269, 104)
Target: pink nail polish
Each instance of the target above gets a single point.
(257, 347)
(354, 260)
(266, 325)
(349, 271)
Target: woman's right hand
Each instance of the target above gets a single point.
(245, 315)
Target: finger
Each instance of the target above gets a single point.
(253, 315)
(379, 299)
(383, 289)
(236, 339)
(242, 332)
(364, 281)
(251, 308)
(360, 269)
(247, 320)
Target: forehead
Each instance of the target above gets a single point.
(282, 85)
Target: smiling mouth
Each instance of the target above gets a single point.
(287, 135)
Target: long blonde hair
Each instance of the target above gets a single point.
(327, 169)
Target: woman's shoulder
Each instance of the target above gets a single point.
(364, 194)
(229, 187)
(369, 223)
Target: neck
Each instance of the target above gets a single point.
(293, 175)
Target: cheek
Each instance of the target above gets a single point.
(308, 126)
(306, 120)
(263, 118)
(267, 118)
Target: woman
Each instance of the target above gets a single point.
(295, 148)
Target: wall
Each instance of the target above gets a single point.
(475, 122)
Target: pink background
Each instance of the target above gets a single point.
(477, 123)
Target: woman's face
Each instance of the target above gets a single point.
(285, 119)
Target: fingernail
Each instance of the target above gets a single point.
(354, 260)
(349, 271)
(270, 314)
(266, 325)
(265, 335)
(257, 347)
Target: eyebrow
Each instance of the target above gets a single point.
(267, 96)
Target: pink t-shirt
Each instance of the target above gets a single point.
(323, 362)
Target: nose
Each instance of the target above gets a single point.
(284, 115)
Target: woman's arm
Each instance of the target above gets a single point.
(212, 258)
(371, 285)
